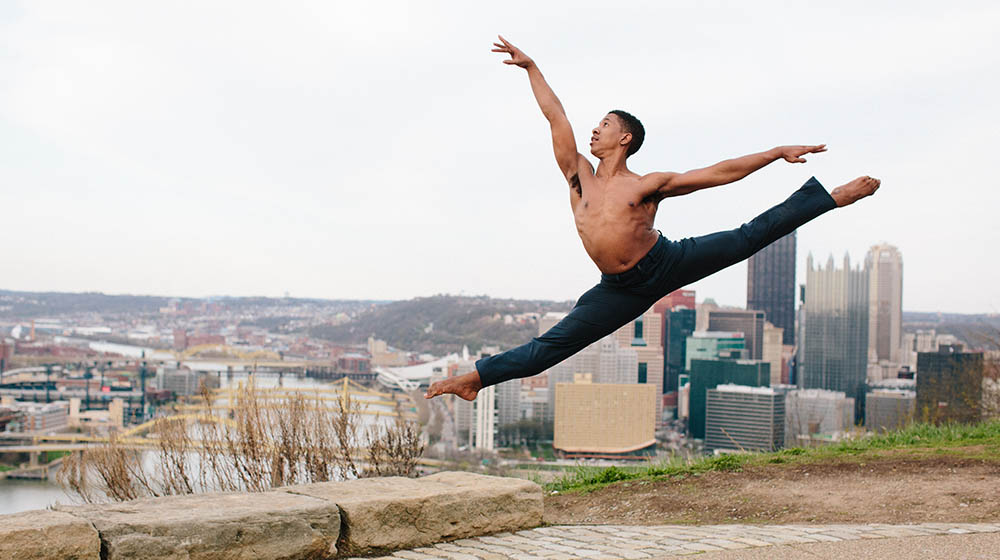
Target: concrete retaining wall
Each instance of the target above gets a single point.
(326, 520)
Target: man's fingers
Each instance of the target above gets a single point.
(511, 61)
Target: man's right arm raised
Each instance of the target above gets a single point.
(563, 143)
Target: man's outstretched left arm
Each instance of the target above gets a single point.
(724, 172)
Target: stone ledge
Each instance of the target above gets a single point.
(216, 526)
(47, 535)
(321, 520)
(384, 514)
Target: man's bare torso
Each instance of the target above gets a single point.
(614, 222)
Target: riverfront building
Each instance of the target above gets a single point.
(605, 420)
(37, 417)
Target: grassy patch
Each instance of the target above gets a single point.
(6, 468)
(49, 456)
(917, 440)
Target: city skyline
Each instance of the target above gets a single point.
(336, 157)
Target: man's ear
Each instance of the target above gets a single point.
(626, 138)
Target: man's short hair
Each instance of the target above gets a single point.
(633, 127)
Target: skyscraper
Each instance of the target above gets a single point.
(678, 326)
(771, 284)
(677, 315)
(833, 354)
(885, 303)
(750, 322)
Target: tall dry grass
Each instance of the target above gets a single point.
(258, 444)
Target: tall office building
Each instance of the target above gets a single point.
(771, 284)
(773, 350)
(709, 374)
(741, 418)
(833, 352)
(750, 322)
(508, 402)
(484, 419)
(643, 335)
(885, 303)
(677, 327)
(949, 385)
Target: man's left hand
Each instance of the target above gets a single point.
(793, 154)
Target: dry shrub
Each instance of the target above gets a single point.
(257, 444)
(112, 470)
(393, 450)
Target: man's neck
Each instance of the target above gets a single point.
(612, 165)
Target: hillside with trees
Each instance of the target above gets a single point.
(443, 324)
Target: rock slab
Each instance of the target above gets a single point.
(47, 535)
(219, 526)
(384, 514)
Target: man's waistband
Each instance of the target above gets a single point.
(644, 265)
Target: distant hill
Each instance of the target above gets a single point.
(442, 324)
(976, 331)
(32, 305)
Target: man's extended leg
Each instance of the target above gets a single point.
(599, 312)
(698, 257)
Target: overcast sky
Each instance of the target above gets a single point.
(380, 150)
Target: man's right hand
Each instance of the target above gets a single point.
(517, 58)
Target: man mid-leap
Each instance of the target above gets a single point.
(614, 210)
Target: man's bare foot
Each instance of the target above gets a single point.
(466, 386)
(855, 190)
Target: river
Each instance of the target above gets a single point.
(24, 495)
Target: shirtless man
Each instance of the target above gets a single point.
(614, 210)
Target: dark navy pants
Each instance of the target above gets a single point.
(669, 265)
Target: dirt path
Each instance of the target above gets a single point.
(894, 488)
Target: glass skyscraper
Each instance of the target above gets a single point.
(771, 284)
(833, 354)
(678, 327)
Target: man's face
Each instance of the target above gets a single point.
(607, 135)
